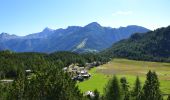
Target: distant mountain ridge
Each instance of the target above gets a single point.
(6, 36)
(90, 38)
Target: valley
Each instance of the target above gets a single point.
(114, 71)
(129, 69)
(84, 50)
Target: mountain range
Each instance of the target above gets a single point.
(90, 38)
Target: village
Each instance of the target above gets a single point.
(80, 73)
(76, 72)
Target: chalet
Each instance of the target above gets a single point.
(89, 93)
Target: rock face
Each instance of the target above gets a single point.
(90, 38)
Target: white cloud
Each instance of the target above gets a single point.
(122, 13)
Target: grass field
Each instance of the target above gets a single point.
(129, 69)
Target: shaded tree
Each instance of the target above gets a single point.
(125, 88)
(168, 97)
(112, 90)
(151, 90)
(96, 95)
(137, 88)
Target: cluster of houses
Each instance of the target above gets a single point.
(93, 64)
(80, 73)
(77, 73)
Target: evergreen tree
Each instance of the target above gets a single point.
(124, 84)
(1, 90)
(137, 88)
(17, 89)
(127, 96)
(112, 90)
(96, 95)
(168, 97)
(125, 88)
(151, 89)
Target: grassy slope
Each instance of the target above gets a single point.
(97, 81)
(129, 69)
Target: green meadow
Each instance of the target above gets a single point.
(129, 69)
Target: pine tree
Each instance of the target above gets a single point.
(1, 90)
(127, 96)
(151, 89)
(96, 95)
(112, 90)
(137, 88)
(125, 88)
(17, 89)
(168, 97)
(124, 84)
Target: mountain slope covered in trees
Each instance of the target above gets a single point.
(151, 46)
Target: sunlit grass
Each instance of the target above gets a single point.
(129, 69)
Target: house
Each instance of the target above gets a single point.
(82, 72)
(93, 64)
(86, 75)
(89, 93)
(65, 69)
(28, 71)
(6, 81)
(78, 78)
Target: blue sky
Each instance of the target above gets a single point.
(23, 17)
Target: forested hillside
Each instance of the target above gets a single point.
(11, 63)
(47, 79)
(150, 46)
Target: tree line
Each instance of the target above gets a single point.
(11, 62)
(119, 89)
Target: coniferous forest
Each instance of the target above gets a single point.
(149, 46)
(47, 80)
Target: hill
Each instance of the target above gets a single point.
(150, 46)
(90, 38)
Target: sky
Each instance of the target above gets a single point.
(22, 17)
